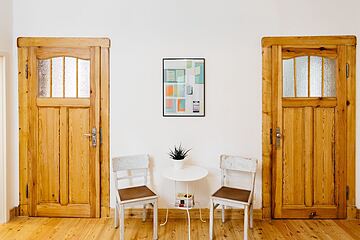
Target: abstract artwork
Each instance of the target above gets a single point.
(183, 87)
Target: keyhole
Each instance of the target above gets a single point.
(312, 214)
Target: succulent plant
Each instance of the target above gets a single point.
(178, 153)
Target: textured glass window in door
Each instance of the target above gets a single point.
(288, 78)
(70, 77)
(315, 76)
(329, 77)
(84, 78)
(301, 71)
(57, 76)
(61, 77)
(44, 77)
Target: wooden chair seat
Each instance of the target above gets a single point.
(133, 193)
(235, 194)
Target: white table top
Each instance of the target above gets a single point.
(187, 174)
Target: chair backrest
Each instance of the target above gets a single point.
(241, 164)
(127, 165)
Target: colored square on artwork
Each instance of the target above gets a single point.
(180, 75)
(199, 73)
(170, 91)
(170, 106)
(181, 105)
(170, 75)
(180, 91)
(189, 64)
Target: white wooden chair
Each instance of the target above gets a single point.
(234, 197)
(130, 167)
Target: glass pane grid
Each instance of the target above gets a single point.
(309, 76)
(64, 77)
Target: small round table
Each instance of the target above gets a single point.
(186, 174)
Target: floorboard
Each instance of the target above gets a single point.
(25, 228)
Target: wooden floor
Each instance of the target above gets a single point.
(23, 228)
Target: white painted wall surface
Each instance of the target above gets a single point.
(10, 165)
(226, 33)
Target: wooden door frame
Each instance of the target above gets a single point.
(349, 42)
(24, 43)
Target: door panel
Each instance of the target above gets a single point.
(66, 177)
(48, 160)
(293, 157)
(308, 95)
(79, 152)
(324, 156)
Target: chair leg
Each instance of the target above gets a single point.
(246, 222)
(223, 213)
(122, 222)
(251, 215)
(144, 213)
(116, 216)
(211, 219)
(155, 223)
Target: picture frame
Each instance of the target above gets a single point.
(183, 87)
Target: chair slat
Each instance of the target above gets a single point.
(130, 162)
(238, 163)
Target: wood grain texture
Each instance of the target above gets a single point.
(23, 128)
(343, 48)
(35, 148)
(351, 129)
(105, 127)
(33, 131)
(45, 53)
(277, 165)
(26, 228)
(48, 162)
(312, 41)
(340, 133)
(266, 126)
(79, 156)
(293, 172)
(62, 42)
(309, 155)
(324, 156)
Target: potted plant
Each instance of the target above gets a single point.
(178, 155)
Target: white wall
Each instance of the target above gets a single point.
(227, 33)
(6, 35)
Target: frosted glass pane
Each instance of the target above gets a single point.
(288, 78)
(44, 78)
(70, 77)
(329, 77)
(84, 78)
(315, 76)
(57, 77)
(301, 76)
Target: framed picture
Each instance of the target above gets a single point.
(183, 87)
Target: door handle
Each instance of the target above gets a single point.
(93, 136)
(278, 138)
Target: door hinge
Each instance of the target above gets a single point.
(347, 192)
(101, 136)
(271, 136)
(347, 70)
(27, 71)
(27, 191)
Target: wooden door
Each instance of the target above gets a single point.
(309, 128)
(64, 120)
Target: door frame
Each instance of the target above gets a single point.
(4, 216)
(268, 63)
(23, 44)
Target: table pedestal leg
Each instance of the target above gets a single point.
(187, 210)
